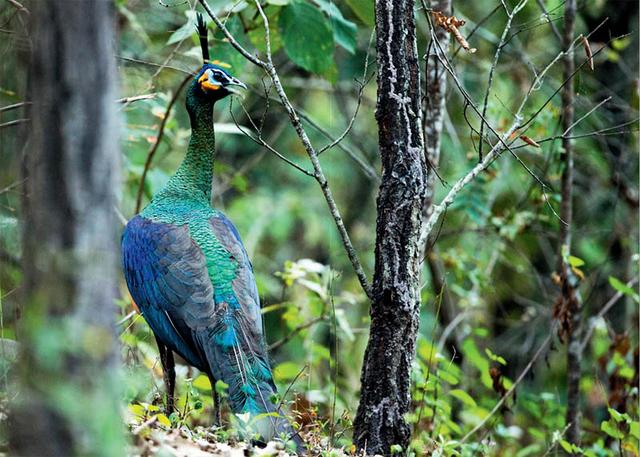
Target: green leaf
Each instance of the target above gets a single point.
(286, 371)
(623, 288)
(495, 357)
(620, 44)
(344, 31)
(163, 420)
(566, 446)
(463, 397)
(364, 9)
(137, 409)
(184, 32)
(221, 388)
(307, 37)
(611, 429)
(575, 261)
(203, 383)
(615, 415)
(447, 377)
(634, 429)
(278, 2)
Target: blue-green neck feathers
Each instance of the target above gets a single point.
(192, 180)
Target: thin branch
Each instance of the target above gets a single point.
(13, 123)
(462, 183)
(502, 140)
(603, 312)
(494, 65)
(294, 332)
(259, 140)
(509, 392)
(368, 169)
(14, 106)
(154, 147)
(19, 6)
(269, 68)
(554, 29)
(588, 113)
(362, 84)
(153, 64)
(135, 98)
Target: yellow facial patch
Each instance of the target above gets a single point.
(205, 84)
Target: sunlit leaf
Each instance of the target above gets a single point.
(463, 397)
(286, 371)
(203, 383)
(623, 288)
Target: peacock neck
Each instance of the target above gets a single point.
(193, 179)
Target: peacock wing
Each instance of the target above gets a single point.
(167, 277)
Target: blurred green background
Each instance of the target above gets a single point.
(497, 245)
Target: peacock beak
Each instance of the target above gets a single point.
(233, 85)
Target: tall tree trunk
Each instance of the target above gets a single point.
(433, 117)
(68, 403)
(435, 91)
(569, 306)
(385, 396)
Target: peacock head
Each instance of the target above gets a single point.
(214, 83)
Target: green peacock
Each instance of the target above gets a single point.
(189, 273)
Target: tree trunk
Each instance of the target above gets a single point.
(569, 305)
(385, 396)
(68, 403)
(434, 109)
(435, 91)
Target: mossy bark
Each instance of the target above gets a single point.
(68, 402)
(385, 396)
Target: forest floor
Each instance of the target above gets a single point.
(152, 439)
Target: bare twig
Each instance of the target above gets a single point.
(368, 170)
(294, 332)
(19, 6)
(603, 312)
(154, 147)
(502, 143)
(13, 106)
(587, 114)
(494, 65)
(259, 140)
(153, 64)
(554, 29)
(462, 182)
(13, 123)
(269, 68)
(135, 98)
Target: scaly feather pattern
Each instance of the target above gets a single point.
(189, 274)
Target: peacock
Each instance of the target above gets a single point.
(189, 273)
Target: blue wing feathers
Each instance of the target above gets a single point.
(220, 334)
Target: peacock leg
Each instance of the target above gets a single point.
(217, 413)
(168, 374)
